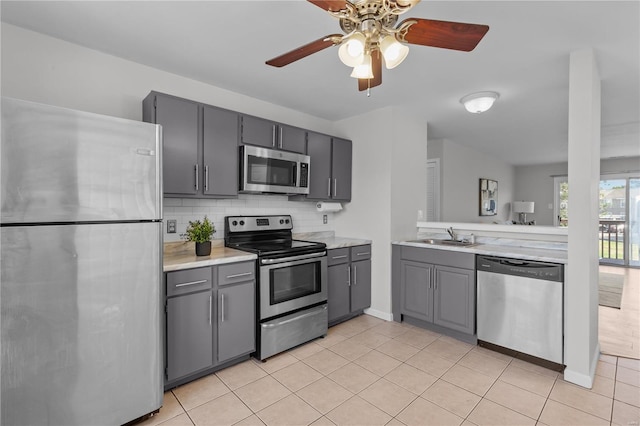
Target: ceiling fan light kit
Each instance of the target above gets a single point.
(363, 70)
(393, 51)
(479, 102)
(370, 28)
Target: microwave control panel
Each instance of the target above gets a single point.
(304, 175)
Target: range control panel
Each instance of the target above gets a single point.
(258, 223)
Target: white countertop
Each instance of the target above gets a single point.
(541, 254)
(334, 242)
(219, 255)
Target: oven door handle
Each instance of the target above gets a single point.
(308, 314)
(292, 258)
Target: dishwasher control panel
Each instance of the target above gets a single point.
(520, 268)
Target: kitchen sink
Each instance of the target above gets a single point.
(457, 243)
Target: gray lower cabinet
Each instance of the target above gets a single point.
(434, 286)
(189, 322)
(330, 168)
(349, 286)
(268, 134)
(236, 320)
(200, 146)
(210, 320)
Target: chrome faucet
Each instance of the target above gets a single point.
(452, 233)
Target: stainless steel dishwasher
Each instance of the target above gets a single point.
(520, 306)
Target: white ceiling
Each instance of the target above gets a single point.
(524, 57)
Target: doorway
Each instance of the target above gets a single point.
(619, 221)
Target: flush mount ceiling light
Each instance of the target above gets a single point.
(371, 36)
(479, 102)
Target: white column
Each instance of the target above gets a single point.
(582, 349)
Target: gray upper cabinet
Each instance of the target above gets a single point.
(319, 150)
(341, 152)
(268, 134)
(220, 152)
(330, 168)
(181, 153)
(200, 146)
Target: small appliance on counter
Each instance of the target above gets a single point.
(292, 281)
(81, 258)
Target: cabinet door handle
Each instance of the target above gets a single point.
(244, 274)
(349, 275)
(355, 275)
(196, 172)
(335, 187)
(273, 136)
(280, 133)
(191, 283)
(210, 302)
(339, 257)
(329, 187)
(206, 178)
(222, 307)
(364, 253)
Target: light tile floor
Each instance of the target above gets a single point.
(371, 372)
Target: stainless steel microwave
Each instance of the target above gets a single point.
(269, 170)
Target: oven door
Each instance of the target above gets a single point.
(268, 170)
(292, 283)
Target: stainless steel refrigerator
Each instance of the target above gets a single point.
(81, 260)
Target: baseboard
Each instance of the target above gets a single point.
(580, 379)
(379, 314)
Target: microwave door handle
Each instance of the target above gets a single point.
(294, 175)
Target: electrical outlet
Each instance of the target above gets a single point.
(171, 226)
(325, 219)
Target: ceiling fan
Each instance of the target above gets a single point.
(371, 35)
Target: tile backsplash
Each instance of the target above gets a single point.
(305, 216)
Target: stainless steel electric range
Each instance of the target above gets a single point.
(292, 281)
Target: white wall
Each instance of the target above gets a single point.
(582, 349)
(43, 69)
(535, 183)
(47, 70)
(389, 187)
(461, 168)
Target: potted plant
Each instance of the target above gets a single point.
(200, 232)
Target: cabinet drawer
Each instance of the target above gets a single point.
(236, 273)
(439, 257)
(337, 256)
(360, 253)
(188, 281)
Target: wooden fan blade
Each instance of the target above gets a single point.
(444, 34)
(304, 51)
(332, 5)
(376, 68)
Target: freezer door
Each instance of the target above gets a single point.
(81, 323)
(60, 165)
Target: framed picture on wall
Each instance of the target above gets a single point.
(488, 197)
